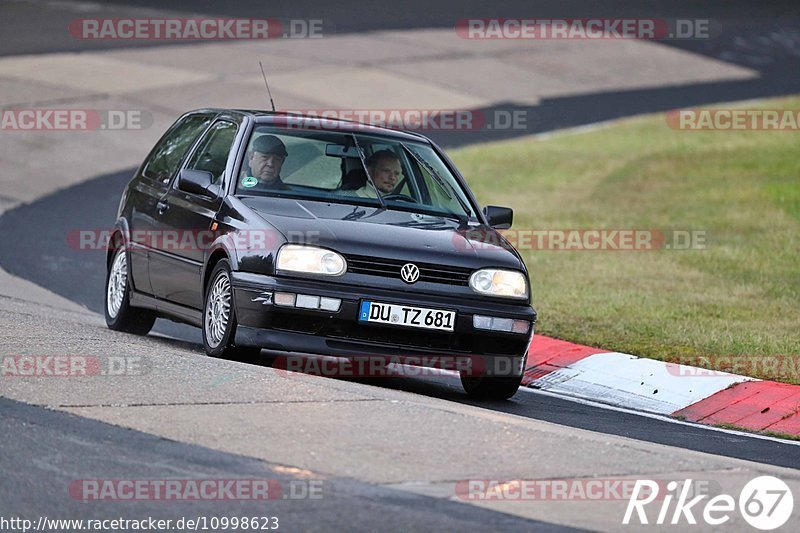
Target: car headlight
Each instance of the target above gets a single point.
(494, 282)
(310, 260)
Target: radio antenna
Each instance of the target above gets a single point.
(272, 103)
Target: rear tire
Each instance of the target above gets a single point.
(219, 317)
(120, 316)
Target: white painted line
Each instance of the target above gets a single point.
(663, 418)
(634, 382)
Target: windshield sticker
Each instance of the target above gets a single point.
(249, 181)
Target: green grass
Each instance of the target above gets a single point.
(738, 297)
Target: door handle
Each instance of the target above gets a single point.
(161, 207)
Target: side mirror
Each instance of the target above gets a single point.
(499, 217)
(198, 182)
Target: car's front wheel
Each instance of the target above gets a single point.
(219, 316)
(120, 316)
(491, 387)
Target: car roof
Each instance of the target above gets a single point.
(311, 122)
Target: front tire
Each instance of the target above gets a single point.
(120, 316)
(219, 317)
(491, 387)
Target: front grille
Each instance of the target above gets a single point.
(390, 268)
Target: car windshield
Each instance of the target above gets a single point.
(351, 168)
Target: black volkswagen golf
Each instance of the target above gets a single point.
(327, 237)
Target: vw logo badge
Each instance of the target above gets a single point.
(409, 273)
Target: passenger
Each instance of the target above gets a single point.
(266, 158)
(384, 167)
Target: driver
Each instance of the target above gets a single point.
(384, 167)
(266, 158)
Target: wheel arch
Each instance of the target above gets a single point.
(118, 237)
(217, 253)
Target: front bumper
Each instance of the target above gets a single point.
(340, 334)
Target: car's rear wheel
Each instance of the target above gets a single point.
(491, 387)
(120, 316)
(219, 317)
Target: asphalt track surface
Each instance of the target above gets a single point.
(54, 447)
(78, 275)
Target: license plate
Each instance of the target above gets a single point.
(406, 316)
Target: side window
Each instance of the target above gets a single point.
(212, 152)
(167, 157)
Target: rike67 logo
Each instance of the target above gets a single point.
(766, 503)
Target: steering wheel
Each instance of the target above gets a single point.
(399, 197)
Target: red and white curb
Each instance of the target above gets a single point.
(640, 384)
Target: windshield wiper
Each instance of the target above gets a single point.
(366, 170)
(355, 214)
(442, 183)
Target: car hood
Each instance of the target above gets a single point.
(374, 232)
